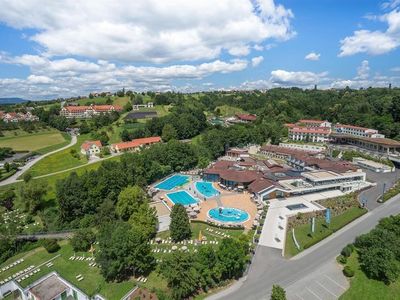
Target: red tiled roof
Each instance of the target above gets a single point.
(260, 184)
(290, 125)
(98, 108)
(310, 121)
(138, 142)
(319, 130)
(353, 127)
(87, 144)
(246, 117)
(240, 176)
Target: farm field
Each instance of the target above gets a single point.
(33, 141)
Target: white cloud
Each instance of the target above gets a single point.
(312, 56)
(363, 70)
(239, 50)
(395, 69)
(71, 77)
(287, 78)
(255, 61)
(374, 42)
(39, 79)
(148, 30)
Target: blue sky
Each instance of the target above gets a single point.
(58, 49)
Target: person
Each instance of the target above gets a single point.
(220, 210)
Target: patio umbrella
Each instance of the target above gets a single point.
(158, 240)
(184, 248)
(174, 248)
(193, 214)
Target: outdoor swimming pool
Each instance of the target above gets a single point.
(206, 189)
(228, 214)
(181, 197)
(172, 182)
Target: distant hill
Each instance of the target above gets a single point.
(12, 100)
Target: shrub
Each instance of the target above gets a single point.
(342, 259)
(51, 245)
(348, 271)
(346, 251)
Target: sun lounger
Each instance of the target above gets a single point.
(80, 278)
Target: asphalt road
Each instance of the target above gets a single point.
(28, 165)
(269, 267)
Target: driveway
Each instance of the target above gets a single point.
(28, 165)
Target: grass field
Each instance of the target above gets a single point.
(363, 288)
(61, 160)
(48, 149)
(33, 141)
(226, 110)
(92, 283)
(321, 231)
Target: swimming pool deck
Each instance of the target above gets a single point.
(230, 199)
(227, 198)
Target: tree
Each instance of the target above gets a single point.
(7, 199)
(231, 258)
(278, 293)
(129, 201)
(180, 226)
(27, 177)
(124, 251)
(145, 219)
(168, 133)
(83, 239)
(179, 271)
(32, 195)
(380, 264)
(50, 245)
(206, 261)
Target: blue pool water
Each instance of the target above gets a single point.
(172, 182)
(206, 189)
(181, 197)
(228, 214)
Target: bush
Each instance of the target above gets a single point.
(51, 245)
(346, 251)
(348, 271)
(342, 259)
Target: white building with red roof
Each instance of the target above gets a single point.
(83, 112)
(309, 134)
(135, 145)
(357, 131)
(91, 148)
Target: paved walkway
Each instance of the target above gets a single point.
(28, 165)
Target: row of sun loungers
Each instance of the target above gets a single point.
(92, 264)
(50, 264)
(81, 258)
(26, 276)
(20, 273)
(79, 277)
(11, 265)
(217, 232)
(142, 279)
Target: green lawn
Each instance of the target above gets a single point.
(321, 231)
(363, 288)
(48, 149)
(92, 283)
(227, 110)
(62, 160)
(33, 141)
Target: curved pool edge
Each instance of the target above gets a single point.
(229, 222)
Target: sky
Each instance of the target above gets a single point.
(51, 49)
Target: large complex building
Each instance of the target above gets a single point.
(304, 173)
(83, 112)
(324, 131)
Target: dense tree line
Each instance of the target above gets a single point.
(188, 273)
